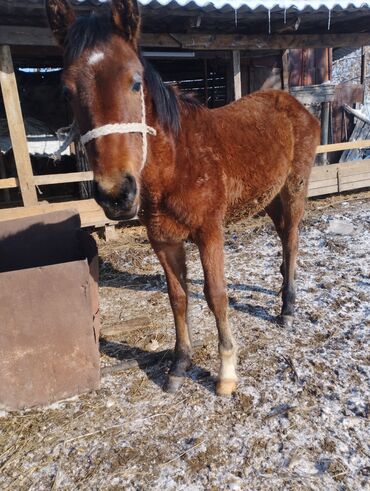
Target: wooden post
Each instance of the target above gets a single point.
(285, 69)
(237, 76)
(229, 81)
(364, 69)
(16, 127)
(325, 111)
(110, 233)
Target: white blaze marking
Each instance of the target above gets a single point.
(95, 57)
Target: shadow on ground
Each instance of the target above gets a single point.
(155, 365)
(111, 277)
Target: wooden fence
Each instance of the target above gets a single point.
(336, 178)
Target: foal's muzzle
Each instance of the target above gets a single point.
(119, 205)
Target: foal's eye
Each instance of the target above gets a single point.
(136, 86)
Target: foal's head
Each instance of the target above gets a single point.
(103, 79)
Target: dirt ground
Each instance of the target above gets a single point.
(300, 417)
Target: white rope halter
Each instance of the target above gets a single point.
(109, 129)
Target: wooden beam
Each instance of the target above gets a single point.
(6, 193)
(16, 127)
(324, 117)
(335, 147)
(335, 178)
(260, 41)
(41, 36)
(110, 233)
(26, 36)
(8, 183)
(365, 51)
(12, 182)
(90, 212)
(358, 114)
(63, 178)
(237, 75)
(285, 69)
(313, 94)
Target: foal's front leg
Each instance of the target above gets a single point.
(211, 248)
(172, 259)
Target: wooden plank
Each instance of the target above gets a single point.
(26, 36)
(39, 36)
(353, 175)
(45, 207)
(324, 172)
(237, 75)
(364, 63)
(361, 131)
(274, 41)
(323, 183)
(16, 127)
(349, 186)
(354, 167)
(110, 233)
(311, 94)
(334, 147)
(322, 191)
(90, 211)
(95, 219)
(63, 178)
(5, 193)
(354, 178)
(12, 182)
(9, 182)
(347, 175)
(324, 120)
(358, 114)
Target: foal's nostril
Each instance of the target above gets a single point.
(129, 188)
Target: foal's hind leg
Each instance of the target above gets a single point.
(172, 259)
(210, 245)
(276, 213)
(293, 196)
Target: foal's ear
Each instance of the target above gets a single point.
(126, 17)
(61, 16)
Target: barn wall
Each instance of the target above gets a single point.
(309, 66)
(260, 72)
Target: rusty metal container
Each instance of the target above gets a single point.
(49, 313)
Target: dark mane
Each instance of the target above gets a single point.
(90, 31)
(164, 98)
(87, 32)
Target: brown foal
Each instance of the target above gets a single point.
(183, 168)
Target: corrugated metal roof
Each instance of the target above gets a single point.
(227, 16)
(251, 4)
(268, 4)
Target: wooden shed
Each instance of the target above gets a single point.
(217, 50)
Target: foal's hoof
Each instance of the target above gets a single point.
(173, 384)
(286, 320)
(225, 387)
